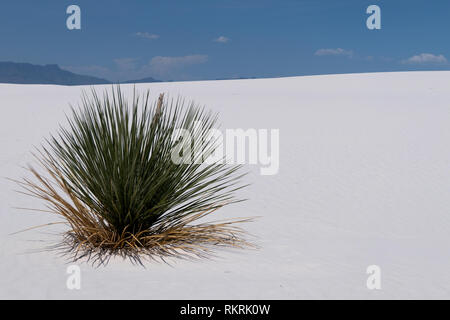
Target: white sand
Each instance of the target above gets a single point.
(364, 179)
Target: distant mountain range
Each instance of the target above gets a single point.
(145, 80)
(27, 73)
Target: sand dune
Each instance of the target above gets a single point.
(364, 180)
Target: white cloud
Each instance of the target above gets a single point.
(126, 64)
(222, 39)
(426, 58)
(176, 61)
(147, 35)
(165, 65)
(122, 69)
(334, 52)
(93, 70)
(161, 68)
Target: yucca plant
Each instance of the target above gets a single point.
(112, 178)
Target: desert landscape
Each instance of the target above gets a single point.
(364, 178)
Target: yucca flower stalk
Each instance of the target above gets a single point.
(111, 176)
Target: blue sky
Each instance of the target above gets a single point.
(209, 39)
